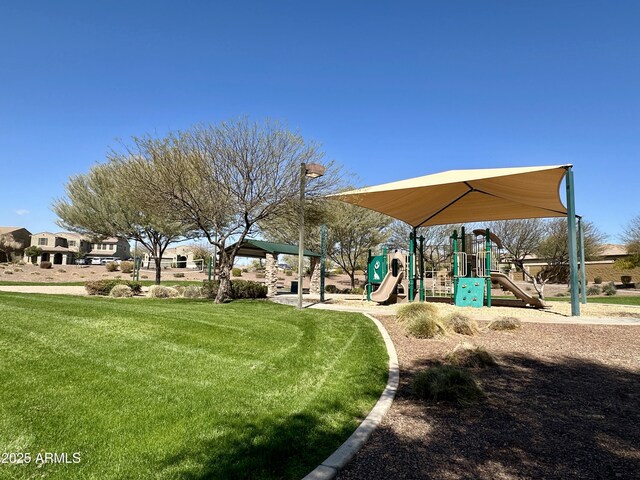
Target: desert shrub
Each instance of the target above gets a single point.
(461, 324)
(447, 383)
(505, 323)
(239, 289)
(144, 276)
(597, 280)
(160, 291)
(357, 290)
(425, 326)
(626, 279)
(179, 288)
(236, 272)
(288, 273)
(260, 275)
(8, 272)
(468, 355)
(62, 270)
(609, 289)
(103, 287)
(409, 311)
(111, 266)
(46, 265)
(331, 288)
(192, 291)
(178, 275)
(594, 290)
(121, 291)
(126, 267)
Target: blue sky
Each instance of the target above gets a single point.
(391, 89)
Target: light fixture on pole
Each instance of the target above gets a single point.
(311, 170)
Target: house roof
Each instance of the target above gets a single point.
(613, 249)
(4, 230)
(459, 196)
(259, 249)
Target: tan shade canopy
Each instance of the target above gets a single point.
(459, 196)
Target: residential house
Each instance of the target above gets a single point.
(110, 247)
(15, 239)
(178, 257)
(63, 248)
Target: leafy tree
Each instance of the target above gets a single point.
(101, 204)
(351, 232)
(32, 251)
(8, 245)
(224, 179)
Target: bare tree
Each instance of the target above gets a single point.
(631, 239)
(437, 243)
(8, 245)
(99, 204)
(225, 179)
(546, 240)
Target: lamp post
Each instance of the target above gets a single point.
(311, 170)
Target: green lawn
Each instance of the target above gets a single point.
(614, 300)
(144, 283)
(172, 389)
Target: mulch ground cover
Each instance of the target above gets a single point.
(564, 403)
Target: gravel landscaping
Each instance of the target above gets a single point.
(563, 403)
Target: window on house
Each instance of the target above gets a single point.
(72, 243)
(43, 241)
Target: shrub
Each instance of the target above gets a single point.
(236, 272)
(192, 291)
(626, 279)
(144, 276)
(597, 280)
(409, 311)
(239, 289)
(121, 291)
(126, 267)
(288, 273)
(111, 266)
(461, 324)
(103, 287)
(505, 323)
(179, 288)
(8, 272)
(594, 290)
(447, 383)
(160, 291)
(62, 270)
(468, 355)
(331, 288)
(259, 275)
(46, 265)
(357, 290)
(609, 289)
(178, 275)
(425, 326)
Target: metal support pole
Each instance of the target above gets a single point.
(454, 237)
(323, 256)
(303, 171)
(209, 268)
(412, 280)
(487, 265)
(583, 272)
(369, 277)
(422, 296)
(573, 254)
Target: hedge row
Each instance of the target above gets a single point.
(103, 287)
(239, 289)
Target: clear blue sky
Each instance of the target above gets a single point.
(391, 89)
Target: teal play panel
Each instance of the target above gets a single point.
(469, 292)
(377, 269)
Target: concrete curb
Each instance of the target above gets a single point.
(338, 459)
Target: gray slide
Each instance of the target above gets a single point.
(387, 287)
(508, 284)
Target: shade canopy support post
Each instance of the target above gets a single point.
(422, 295)
(583, 270)
(572, 243)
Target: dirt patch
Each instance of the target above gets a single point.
(562, 404)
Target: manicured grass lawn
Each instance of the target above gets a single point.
(613, 300)
(144, 283)
(172, 389)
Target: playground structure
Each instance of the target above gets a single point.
(465, 278)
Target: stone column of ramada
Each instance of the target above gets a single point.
(314, 286)
(271, 274)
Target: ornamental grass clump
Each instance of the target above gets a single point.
(160, 291)
(192, 291)
(461, 324)
(505, 323)
(471, 356)
(609, 289)
(121, 291)
(446, 383)
(425, 326)
(409, 311)
(126, 267)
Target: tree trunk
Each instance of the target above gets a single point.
(224, 290)
(158, 269)
(352, 276)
